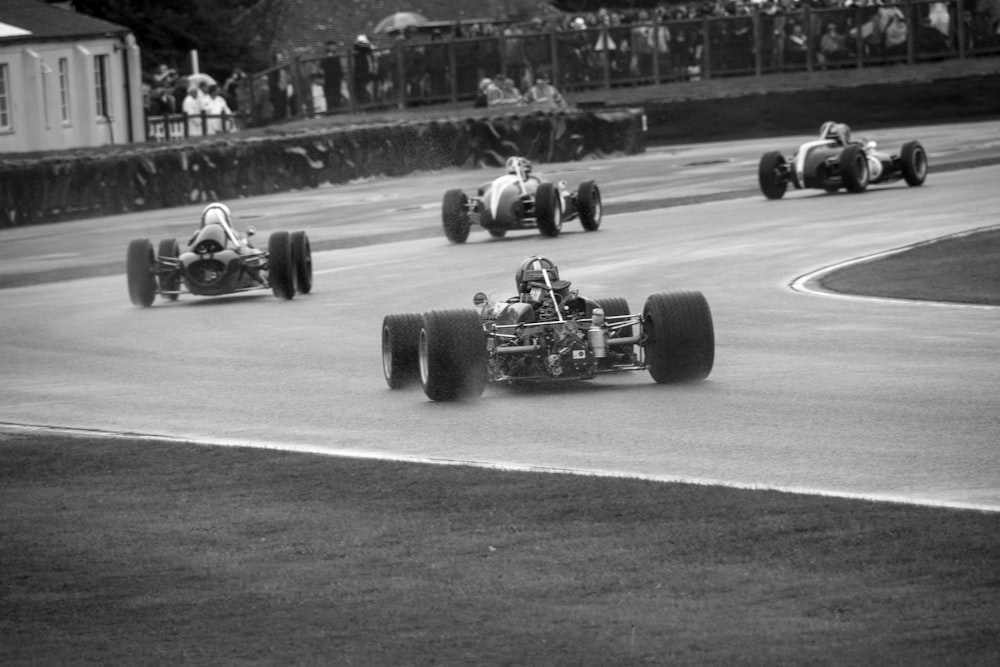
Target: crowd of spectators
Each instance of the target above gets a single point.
(209, 108)
(516, 63)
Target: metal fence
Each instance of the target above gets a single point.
(411, 73)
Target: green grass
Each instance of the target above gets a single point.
(139, 552)
(963, 269)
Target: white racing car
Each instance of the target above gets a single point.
(520, 200)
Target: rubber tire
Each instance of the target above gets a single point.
(771, 183)
(280, 269)
(452, 354)
(400, 357)
(140, 270)
(168, 282)
(679, 336)
(614, 306)
(498, 233)
(588, 204)
(455, 216)
(913, 159)
(302, 261)
(854, 169)
(548, 209)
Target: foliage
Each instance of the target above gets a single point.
(167, 32)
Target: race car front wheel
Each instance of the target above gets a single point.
(455, 216)
(854, 168)
(302, 261)
(771, 175)
(452, 353)
(914, 163)
(548, 209)
(279, 259)
(140, 269)
(588, 203)
(400, 338)
(168, 276)
(679, 336)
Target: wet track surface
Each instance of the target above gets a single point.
(844, 396)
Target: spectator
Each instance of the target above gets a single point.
(831, 46)
(544, 93)
(333, 77)
(929, 39)
(797, 46)
(193, 107)
(895, 33)
(511, 96)
(317, 94)
(364, 69)
(218, 111)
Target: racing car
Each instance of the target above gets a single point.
(217, 260)
(546, 333)
(834, 161)
(520, 200)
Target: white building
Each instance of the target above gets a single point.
(67, 80)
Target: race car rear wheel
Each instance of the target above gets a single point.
(400, 357)
(613, 307)
(588, 203)
(913, 160)
(280, 273)
(679, 336)
(140, 269)
(167, 276)
(452, 353)
(548, 209)
(771, 175)
(302, 261)
(854, 168)
(455, 216)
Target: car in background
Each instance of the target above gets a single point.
(835, 162)
(520, 200)
(218, 260)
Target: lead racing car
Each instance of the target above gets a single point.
(547, 332)
(834, 161)
(218, 260)
(520, 200)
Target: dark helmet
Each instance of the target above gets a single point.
(531, 270)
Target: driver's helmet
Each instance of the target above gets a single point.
(515, 163)
(839, 132)
(216, 214)
(530, 271)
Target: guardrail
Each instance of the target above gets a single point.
(173, 127)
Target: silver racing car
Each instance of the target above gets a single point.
(520, 200)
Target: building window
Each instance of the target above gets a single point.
(101, 75)
(64, 89)
(6, 121)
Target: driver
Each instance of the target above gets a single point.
(515, 164)
(838, 132)
(532, 287)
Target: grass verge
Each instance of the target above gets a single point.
(139, 552)
(963, 269)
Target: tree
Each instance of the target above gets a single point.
(168, 31)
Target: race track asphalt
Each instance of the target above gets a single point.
(850, 397)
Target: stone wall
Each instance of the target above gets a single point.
(46, 188)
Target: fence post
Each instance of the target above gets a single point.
(706, 49)
(758, 44)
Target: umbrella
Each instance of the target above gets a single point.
(399, 21)
(194, 80)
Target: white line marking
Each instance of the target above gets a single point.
(800, 284)
(509, 467)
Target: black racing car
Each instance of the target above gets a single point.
(217, 260)
(547, 333)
